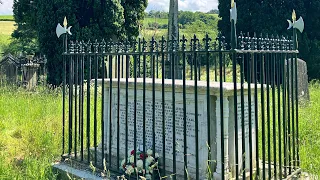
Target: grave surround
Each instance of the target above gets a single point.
(215, 119)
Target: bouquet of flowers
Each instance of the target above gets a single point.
(151, 163)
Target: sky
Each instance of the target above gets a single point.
(162, 5)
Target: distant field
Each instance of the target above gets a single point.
(6, 29)
(6, 18)
(152, 20)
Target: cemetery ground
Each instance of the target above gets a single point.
(31, 131)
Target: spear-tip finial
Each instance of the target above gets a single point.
(232, 3)
(65, 22)
(294, 16)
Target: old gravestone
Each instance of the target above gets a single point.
(215, 119)
(30, 77)
(302, 77)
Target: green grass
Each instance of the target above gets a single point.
(309, 120)
(30, 128)
(6, 29)
(152, 20)
(6, 18)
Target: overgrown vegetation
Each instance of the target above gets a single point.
(30, 128)
(31, 132)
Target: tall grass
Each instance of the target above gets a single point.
(309, 124)
(30, 133)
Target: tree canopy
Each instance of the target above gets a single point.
(106, 19)
(269, 17)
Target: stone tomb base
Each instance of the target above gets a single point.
(215, 124)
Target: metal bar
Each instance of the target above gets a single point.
(263, 118)
(289, 116)
(154, 74)
(82, 108)
(196, 107)
(256, 114)
(118, 110)
(224, 67)
(208, 102)
(284, 102)
(222, 117)
(95, 110)
(102, 113)
(70, 103)
(185, 149)
(279, 113)
(250, 115)
(293, 114)
(173, 59)
(110, 109)
(235, 105)
(274, 115)
(144, 98)
(297, 112)
(88, 107)
(268, 113)
(163, 107)
(127, 106)
(64, 103)
(135, 100)
(76, 107)
(243, 133)
(80, 103)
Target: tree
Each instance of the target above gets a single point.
(269, 17)
(25, 36)
(108, 19)
(213, 11)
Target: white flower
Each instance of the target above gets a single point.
(130, 170)
(150, 159)
(156, 155)
(140, 164)
(150, 170)
(131, 159)
(149, 152)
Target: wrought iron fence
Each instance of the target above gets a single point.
(232, 114)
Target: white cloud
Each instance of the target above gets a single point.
(6, 7)
(162, 5)
(185, 5)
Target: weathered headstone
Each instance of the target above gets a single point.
(30, 75)
(302, 77)
(215, 126)
(9, 70)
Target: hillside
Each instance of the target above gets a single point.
(6, 29)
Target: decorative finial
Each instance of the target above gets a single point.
(232, 3)
(65, 22)
(298, 24)
(294, 16)
(62, 30)
(233, 12)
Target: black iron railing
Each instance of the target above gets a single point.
(233, 114)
